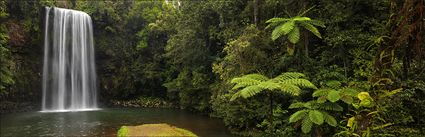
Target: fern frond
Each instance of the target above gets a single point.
(316, 23)
(239, 85)
(347, 99)
(316, 117)
(290, 89)
(329, 119)
(245, 81)
(301, 19)
(349, 91)
(321, 99)
(283, 29)
(280, 20)
(298, 116)
(289, 75)
(306, 125)
(294, 35)
(250, 91)
(302, 83)
(296, 105)
(335, 84)
(269, 85)
(328, 106)
(311, 28)
(235, 96)
(256, 77)
(321, 92)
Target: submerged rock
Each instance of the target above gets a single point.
(152, 130)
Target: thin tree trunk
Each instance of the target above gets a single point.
(271, 108)
(255, 4)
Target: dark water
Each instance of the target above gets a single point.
(105, 122)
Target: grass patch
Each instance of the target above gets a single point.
(154, 130)
(122, 132)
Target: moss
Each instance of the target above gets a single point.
(122, 132)
(154, 130)
(185, 132)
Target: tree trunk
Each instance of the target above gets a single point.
(271, 108)
(255, 5)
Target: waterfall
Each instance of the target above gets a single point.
(69, 75)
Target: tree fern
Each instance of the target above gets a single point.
(289, 75)
(290, 27)
(286, 83)
(306, 125)
(316, 117)
(333, 92)
(313, 113)
(298, 115)
(252, 84)
(294, 35)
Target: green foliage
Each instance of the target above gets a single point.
(122, 132)
(291, 28)
(333, 92)
(313, 113)
(6, 78)
(252, 84)
(188, 54)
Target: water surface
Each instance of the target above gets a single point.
(105, 122)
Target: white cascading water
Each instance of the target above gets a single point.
(69, 75)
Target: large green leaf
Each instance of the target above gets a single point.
(316, 117)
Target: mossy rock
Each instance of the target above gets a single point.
(152, 130)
